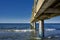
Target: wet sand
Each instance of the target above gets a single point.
(23, 35)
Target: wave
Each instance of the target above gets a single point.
(53, 37)
(17, 30)
(50, 29)
(26, 30)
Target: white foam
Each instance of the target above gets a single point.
(49, 37)
(36, 38)
(50, 29)
(28, 30)
(56, 36)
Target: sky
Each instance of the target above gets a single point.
(19, 11)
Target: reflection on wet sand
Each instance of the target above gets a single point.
(23, 35)
(34, 36)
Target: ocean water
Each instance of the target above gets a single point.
(23, 31)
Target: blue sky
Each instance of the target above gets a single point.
(18, 11)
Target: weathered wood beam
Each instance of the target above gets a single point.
(52, 10)
(44, 7)
(57, 5)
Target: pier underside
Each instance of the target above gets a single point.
(48, 10)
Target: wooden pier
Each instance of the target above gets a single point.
(42, 10)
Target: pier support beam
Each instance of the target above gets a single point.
(41, 28)
(33, 25)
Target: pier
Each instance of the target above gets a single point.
(44, 10)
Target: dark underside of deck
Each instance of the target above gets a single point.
(52, 11)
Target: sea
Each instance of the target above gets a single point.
(23, 31)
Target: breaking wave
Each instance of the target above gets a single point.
(14, 30)
(50, 29)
